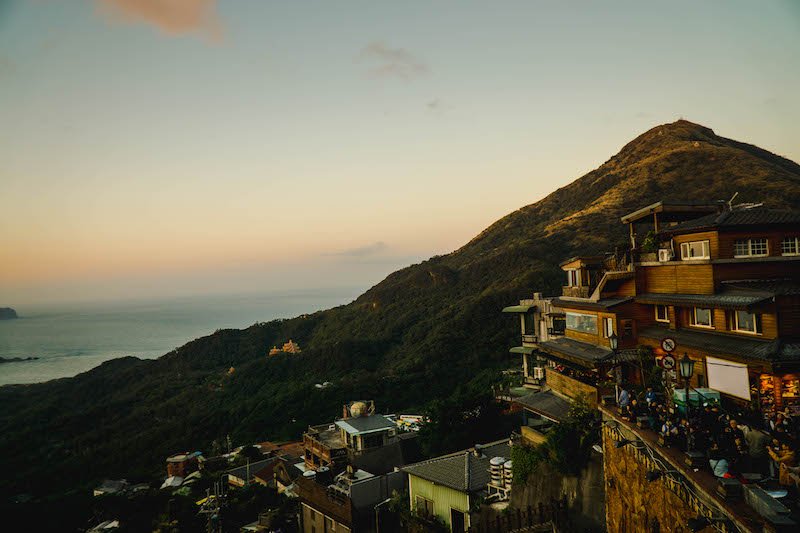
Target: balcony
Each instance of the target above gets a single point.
(575, 292)
(529, 339)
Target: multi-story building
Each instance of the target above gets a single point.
(722, 283)
(717, 284)
(350, 468)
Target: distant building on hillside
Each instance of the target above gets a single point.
(452, 486)
(183, 464)
(288, 347)
(350, 467)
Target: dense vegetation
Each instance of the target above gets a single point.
(567, 446)
(414, 338)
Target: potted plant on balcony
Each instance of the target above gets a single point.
(649, 248)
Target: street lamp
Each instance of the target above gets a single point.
(687, 369)
(613, 340)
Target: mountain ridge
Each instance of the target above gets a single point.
(437, 321)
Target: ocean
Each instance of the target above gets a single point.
(70, 339)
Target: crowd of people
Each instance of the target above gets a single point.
(734, 445)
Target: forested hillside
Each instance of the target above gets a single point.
(420, 334)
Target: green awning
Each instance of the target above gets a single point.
(518, 308)
(521, 349)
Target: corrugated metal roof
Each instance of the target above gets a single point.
(518, 308)
(522, 349)
(581, 352)
(547, 404)
(606, 303)
(365, 424)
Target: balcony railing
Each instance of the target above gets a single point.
(575, 292)
(530, 339)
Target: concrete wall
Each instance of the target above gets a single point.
(585, 493)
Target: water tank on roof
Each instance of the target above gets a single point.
(496, 471)
(358, 409)
(508, 474)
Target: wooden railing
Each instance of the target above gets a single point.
(575, 292)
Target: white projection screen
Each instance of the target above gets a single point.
(728, 377)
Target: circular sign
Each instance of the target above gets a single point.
(668, 362)
(668, 344)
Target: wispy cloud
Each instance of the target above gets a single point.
(173, 17)
(388, 62)
(363, 251)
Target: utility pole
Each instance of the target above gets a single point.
(213, 507)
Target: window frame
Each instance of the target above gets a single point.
(710, 324)
(588, 315)
(666, 313)
(608, 320)
(426, 504)
(796, 241)
(749, 242)
(757, 324)
(687, 247)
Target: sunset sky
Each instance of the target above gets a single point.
(255, 145)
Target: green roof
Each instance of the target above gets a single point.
(521, 349)
(518, 308)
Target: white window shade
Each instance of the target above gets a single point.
(728, 377)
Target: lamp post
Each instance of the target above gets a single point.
(613, 341)
(687, 369)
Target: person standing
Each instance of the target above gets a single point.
(757, 442)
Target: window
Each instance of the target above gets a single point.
(582, 322)
(424, 506)
(627, 328)
(662, 315)
(790, 246)
(608, 327)
(701, 317)
(750, 247)
(695, 250)
(746, 322)
(573, 278)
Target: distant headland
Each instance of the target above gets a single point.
(16, 359)
(6, 313)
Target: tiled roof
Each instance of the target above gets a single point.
(365, 424)
(463, 471)
(777, 350)
(778, 287)
(729, 299)
(755, 216)
(606, 303)
(241, 472)
(547, 404)
(584, 353)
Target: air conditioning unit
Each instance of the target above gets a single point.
(664, 255)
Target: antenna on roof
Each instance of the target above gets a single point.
(730, 202)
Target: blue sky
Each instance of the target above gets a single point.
(229, 145)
